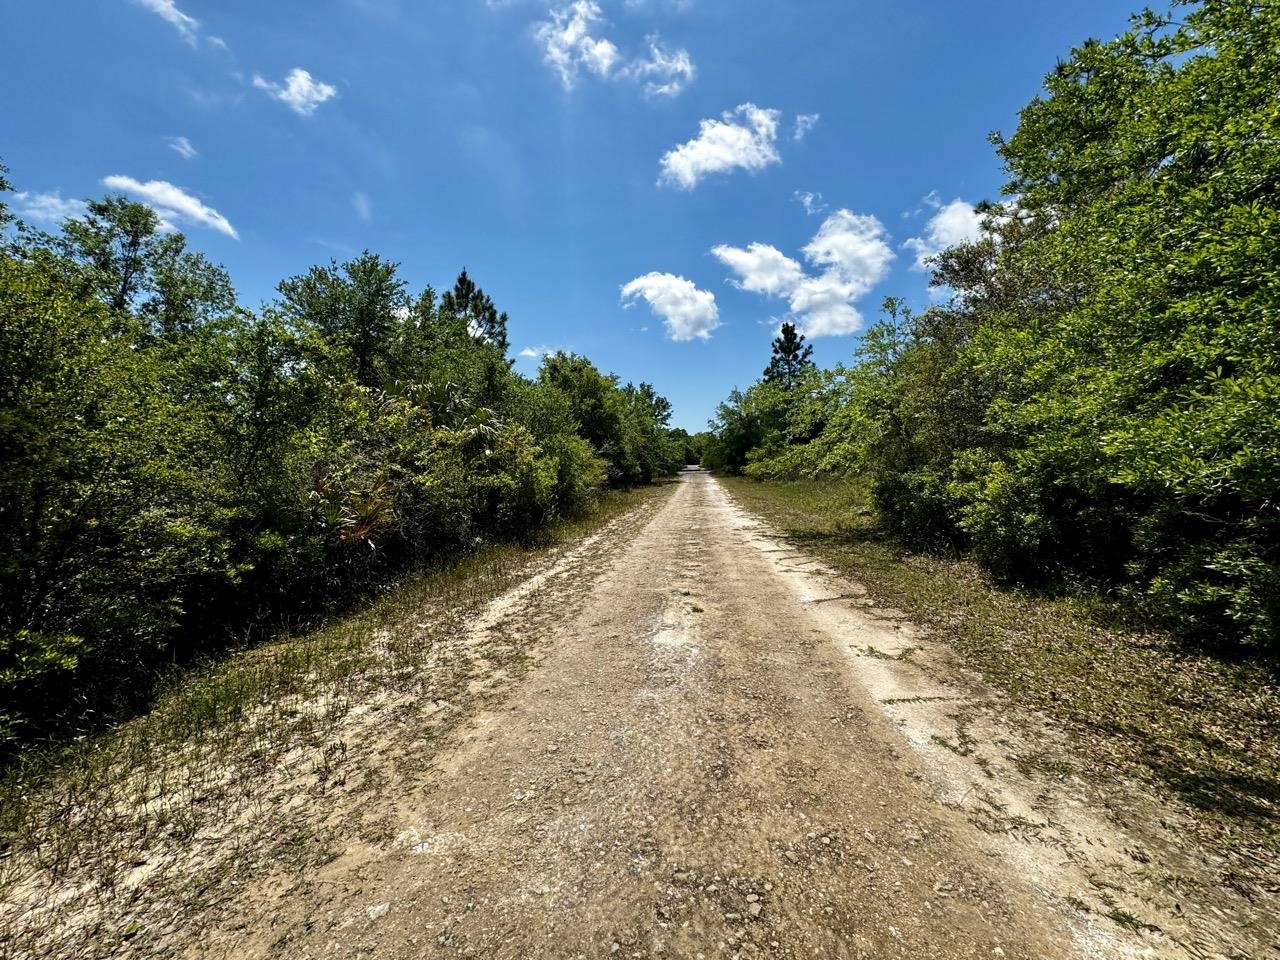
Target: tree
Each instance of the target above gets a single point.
(5, 186)
(790, 358)
(351, 312)
(472, 304)
(118, 253)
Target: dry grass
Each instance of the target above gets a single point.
(1201, 728)
(98, 820)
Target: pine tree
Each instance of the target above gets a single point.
(469, 301)
(790, 358)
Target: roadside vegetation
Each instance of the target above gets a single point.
(1095, 402)
(1133, 702)
(1069, 465)
(179, 474)
(240, 762)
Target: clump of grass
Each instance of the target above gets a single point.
(86, 815)
(1134, 702)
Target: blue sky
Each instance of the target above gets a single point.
(654, 183)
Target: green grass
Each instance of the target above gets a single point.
(1134, 703)
(88, 810)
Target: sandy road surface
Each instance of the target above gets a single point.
(705, 760)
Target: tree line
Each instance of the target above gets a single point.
(1096, 400)
(177, 470)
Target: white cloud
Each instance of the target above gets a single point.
(762, 268)
(172, 204)
(804, 123)
(538, 352)
(182, 147)
(573, 43)
(823, 306)
(665, 73)
(300, 92)
(569, 47)
(854, 246)
(362, 205)
(47, 207)
(953, 223)
(188, 27)
(812, 202)
(744, 139)
(687, 312)
(852, 253)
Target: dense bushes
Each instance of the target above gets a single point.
(176, 471)
(1099, 401)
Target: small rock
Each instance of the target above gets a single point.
(755, 909)
(377, 910)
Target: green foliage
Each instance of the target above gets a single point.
(625, 426)
(1099, 402)
(178, 472)
(791, 358)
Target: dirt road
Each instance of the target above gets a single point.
(719, 751)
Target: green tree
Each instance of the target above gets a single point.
(791, 358)
(474, 306)
(350, 314)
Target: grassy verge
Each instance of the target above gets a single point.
(96, 815)
(1136, 704)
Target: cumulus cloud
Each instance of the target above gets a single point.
(812, 202)
(568, 46)
(850, 254)
(182, 147)
(687, 312)
(573, 43)
(854, 246)
(300, 92)
(664, 73)
(188, 27)
(804, 123)
(172, 204)
(951, 224)
(742, 139)
(761, 268)
(48, 208)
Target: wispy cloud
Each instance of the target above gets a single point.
(687, 312)
(951, 224)
(805, 122)
(573, 44)
(47, 208)
(812, 202)
(362, 205)
(742, 139)
(538, 352)
(183, 148)
(188, 27)
(300, 92)
(664, 73)
(850, 254)
(172, 204)
(568, 46)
